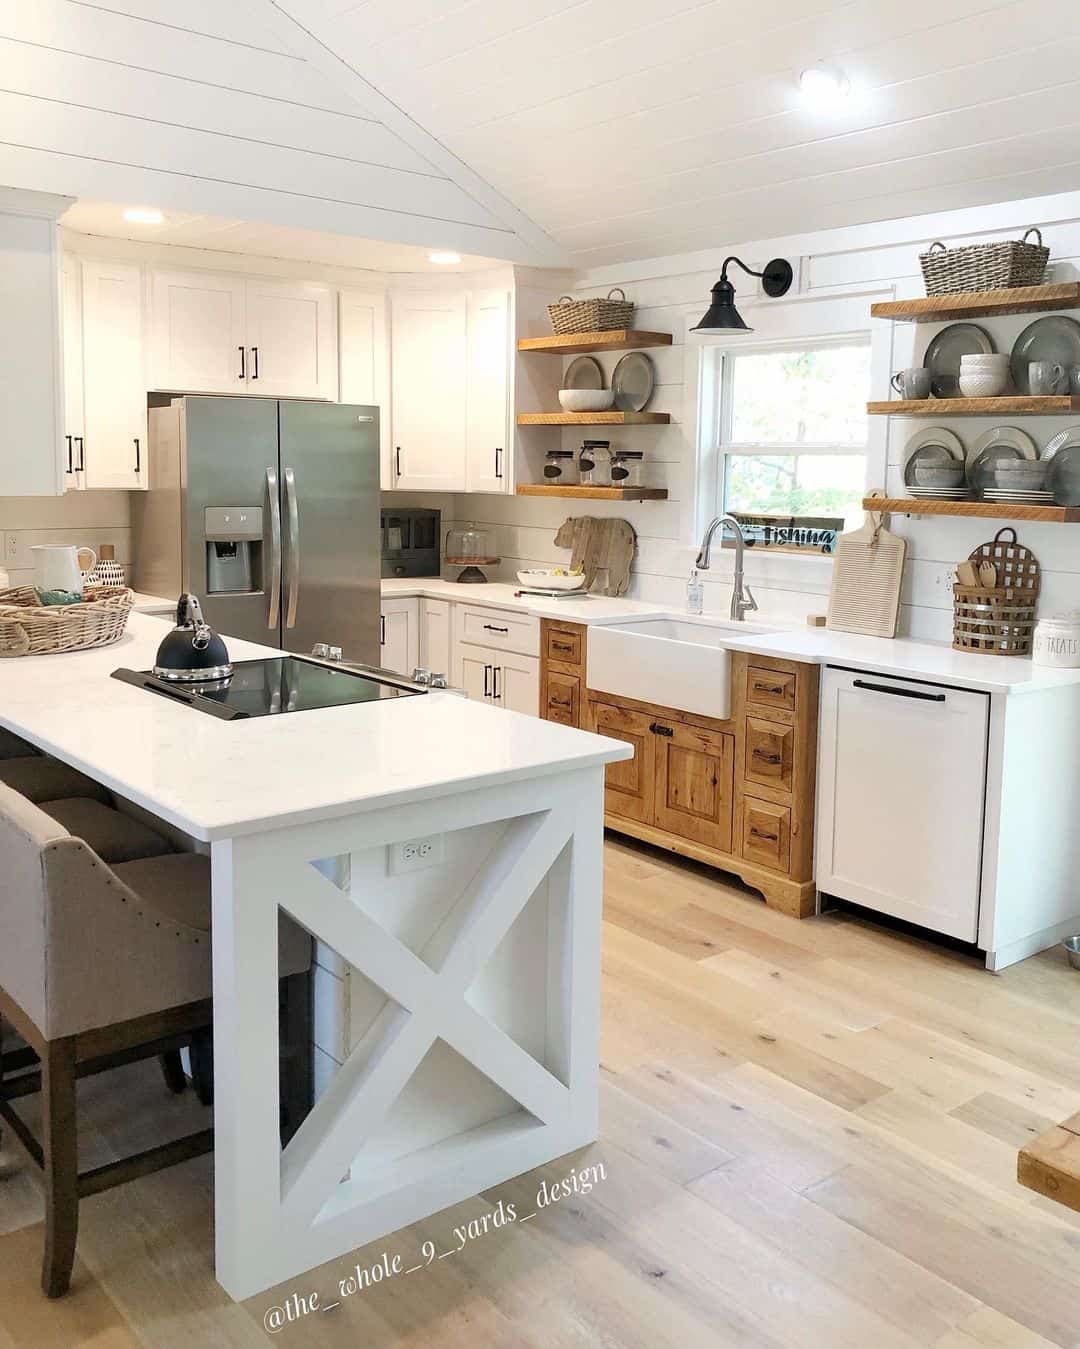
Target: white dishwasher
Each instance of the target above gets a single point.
(901, 793)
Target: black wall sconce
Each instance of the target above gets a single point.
(722, 316)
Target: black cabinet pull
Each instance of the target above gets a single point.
(496, 671)
(769, 688)
(71, 462)
(255, 358)
(561, 646)
(758, 833)
(138, 456)
(243, 363)
(657, 729)
(767, 756)
(498, 461)
(487, 679)
(397, 462)
(899, 693)
(81, 466)
(489, 628)
(382, 629)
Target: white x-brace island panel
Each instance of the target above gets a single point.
(281, 1213)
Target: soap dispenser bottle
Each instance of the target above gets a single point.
(695, 593)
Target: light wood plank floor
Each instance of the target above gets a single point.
(809, 1139)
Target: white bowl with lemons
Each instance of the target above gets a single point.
(551, 578)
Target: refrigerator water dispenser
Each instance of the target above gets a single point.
(233, 548)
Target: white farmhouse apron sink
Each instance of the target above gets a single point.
(673, 662)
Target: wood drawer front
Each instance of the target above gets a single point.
(771, 688)
(562, 646)
(770, 748)
(631, 783)
(695, 782)
(501, 629)
(562, 698)
(766, 834)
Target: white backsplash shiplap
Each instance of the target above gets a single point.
(82, 518)
(880, 258)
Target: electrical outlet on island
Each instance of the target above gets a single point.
(415, 854)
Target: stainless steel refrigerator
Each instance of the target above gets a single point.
(269, 512)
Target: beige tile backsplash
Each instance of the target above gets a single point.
(83, 518)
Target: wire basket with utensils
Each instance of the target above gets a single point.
(995, 598)
(591, 316)
(1003, 265)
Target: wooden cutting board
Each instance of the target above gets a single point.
(868, 571)
(596, 543)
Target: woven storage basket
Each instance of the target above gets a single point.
(28, 628)
(591, 316)
(998, 621)
(998, 266)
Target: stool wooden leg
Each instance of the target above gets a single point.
(61, 1165)
(172, 1069)
(298, 1052)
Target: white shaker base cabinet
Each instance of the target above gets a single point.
(435, 636)
(499, 678)
(902, 780)
(399, 635)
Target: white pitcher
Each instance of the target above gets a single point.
(58, 567)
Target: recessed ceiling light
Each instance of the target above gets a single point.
(444, 259)
(143, 215)
(824, 86)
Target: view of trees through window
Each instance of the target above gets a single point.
(791, 415)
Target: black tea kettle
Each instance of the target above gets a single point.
(192, 653)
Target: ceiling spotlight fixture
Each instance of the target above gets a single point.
(722, 316)
(825, 87)
(444, 259)
(144, 215)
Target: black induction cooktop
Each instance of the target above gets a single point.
(273, 686)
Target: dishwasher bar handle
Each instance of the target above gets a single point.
(899, 693)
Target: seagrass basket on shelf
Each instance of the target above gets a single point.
(591, 316)
(997, 266)
(998, 620)
(30, 628)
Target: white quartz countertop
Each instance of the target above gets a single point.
(901, 656)
(219, 779)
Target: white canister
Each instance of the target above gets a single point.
(1057, 641)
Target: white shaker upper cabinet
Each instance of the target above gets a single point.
(198, 339)
(365, 362)
(429, 360)
(292, 340)
(489, 440)
(72, 327)
(114, 380)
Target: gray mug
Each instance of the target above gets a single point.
(1047, 377)
(1074, 380)
(913, 383)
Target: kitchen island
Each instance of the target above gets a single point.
(475, 950)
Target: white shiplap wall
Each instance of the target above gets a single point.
(86, 519)
(863, 263)
(232, 110)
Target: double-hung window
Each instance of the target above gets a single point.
(792, 430)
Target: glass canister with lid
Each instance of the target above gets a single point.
(560, 468)
(626, 468)
(592, 462)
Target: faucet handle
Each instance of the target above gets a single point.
(751, 603)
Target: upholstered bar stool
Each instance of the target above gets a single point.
(101, 966)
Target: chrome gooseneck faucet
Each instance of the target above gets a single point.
(742, 598)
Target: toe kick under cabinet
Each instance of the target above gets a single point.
(735, 794)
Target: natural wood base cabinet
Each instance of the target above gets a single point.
(562, 672)
(736, 794)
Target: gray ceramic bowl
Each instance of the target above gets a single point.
(939, 475)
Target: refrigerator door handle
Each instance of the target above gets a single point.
(273, 616)
(293, 594)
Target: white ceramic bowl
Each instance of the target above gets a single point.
(983, 383)
(939, 475)
(986, 358)
(586, 400)
(544, 578)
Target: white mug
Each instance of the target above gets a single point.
(57, 567)
(1047, 377)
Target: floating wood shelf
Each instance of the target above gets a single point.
(597, 418)
(986, 510)
(972, 304)
(542, 489)
(618, 339)
(1053, 406)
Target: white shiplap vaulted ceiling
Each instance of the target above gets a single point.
(632, 128)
